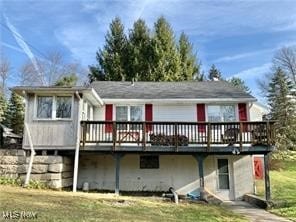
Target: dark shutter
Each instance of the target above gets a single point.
(242, 110)
(148, 116)
(201, 116)
(108, 117)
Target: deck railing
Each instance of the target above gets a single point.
(177, 134)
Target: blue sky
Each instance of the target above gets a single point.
(240, 37)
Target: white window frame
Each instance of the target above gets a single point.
(87, 107)
(54, 104)
(129, 112)
(224, 104)
(217, 174)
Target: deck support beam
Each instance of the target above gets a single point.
(77, 149)
(117, 157)
(200, 160)
(266, 175)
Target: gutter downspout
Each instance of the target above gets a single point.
(76, 159)
(29, 170)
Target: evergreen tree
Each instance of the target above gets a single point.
(144, 56)
(190, 68)
(214, 73)
(15, 113)
(112, 59)
(69, 80)
(140, 52)
(167, 64)
(282, 109)
(3, 107)
(240, 84)
(96, 74)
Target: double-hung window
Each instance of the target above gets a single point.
(129, 113)
(63, 107)
(54, 107)
(222, 113)
(44, 107)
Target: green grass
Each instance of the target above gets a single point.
(66, 206)
(283, 190)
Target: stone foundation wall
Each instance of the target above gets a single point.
(53, 170)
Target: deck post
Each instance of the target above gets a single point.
(117, 157)
(209, 136)
(200, 159)
(77, 149)
(266, 175)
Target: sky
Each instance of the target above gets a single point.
(239, 37)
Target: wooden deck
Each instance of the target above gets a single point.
(181, 137)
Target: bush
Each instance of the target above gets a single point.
(33, 184)
(5, 180)
(166, 140)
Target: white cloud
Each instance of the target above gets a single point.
(253, 73)
(81, 40)
(241, 55)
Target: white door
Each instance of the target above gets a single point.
(224, 179)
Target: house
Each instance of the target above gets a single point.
(150, 136)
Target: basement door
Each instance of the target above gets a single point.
(224, 179)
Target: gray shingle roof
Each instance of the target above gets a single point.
(168, 90)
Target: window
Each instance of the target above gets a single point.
(224, 113)
(122, 113)
(129, 113)
(223, 174)
(149, 162)
(44, 107)
(54, 107)
(136, 113)
(63, 106)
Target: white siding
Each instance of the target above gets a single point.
(256, 112)
(99, 113)
(174, 113)
(160, 112)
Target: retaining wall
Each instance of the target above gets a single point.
(54, 170)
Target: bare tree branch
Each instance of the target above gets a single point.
(52, 69)
(286, 59)
(5, 70)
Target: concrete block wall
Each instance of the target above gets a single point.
(178, 171)
(53, 170)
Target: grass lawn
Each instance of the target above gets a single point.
(66, 206)
(283, 190)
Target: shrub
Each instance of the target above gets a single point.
(167, 140)
(5, 180)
